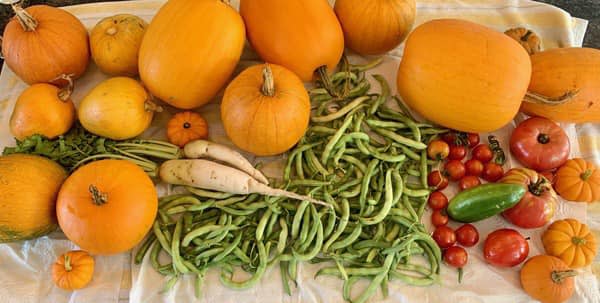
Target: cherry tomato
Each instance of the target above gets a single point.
(438, 150)
(450, 138)
(540, 144)
(457, 152)
(473, 139)
(439, 217)
(467, 235)
(492, 172)
(457, 257)
(483, 153)
(436, 180)
(474, 167)
(468, 182)
(455, 170)
(437, 200)
(444, 236)
(505, 248)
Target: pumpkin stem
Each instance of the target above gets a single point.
(99, 198)
(578, 241)
(150, 106)
(327, 84)
(268, 87)
(586, 174)
(65, 92)
(559, 276)
(536, 98)
(68, 266)
(25, 19)
(111, 31)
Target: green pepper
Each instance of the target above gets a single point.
(484, 201)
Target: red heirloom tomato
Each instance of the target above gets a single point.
(537, 207)
(505, 248)
(540, 144)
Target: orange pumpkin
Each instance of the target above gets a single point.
(578, 180)
(527, 38)
(306, 38)
(185, 127)
(547, 279)
(73, 270)
(265, 110)
(571, 241)
(463, 75)
(107, 207)
(377, 26)
(187, 70)
(43, 42)
(561, 72)
(43, 109)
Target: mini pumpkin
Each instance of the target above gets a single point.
(547, 279)
(185, 127)
(571, 241)
(73, 270)
(578, 180)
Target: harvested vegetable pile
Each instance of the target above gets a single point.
(367, 160)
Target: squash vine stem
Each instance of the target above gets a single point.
(27, 21)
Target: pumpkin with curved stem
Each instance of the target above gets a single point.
(36, 53)
(265, 110)
(307, 38)
(107, 207)
(547, 279)
(578, 180)
(377, 26)
(213, 54)
(185, 127)
(115, 43)
(571, 241)
(73, 270)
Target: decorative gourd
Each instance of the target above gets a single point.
(115, 43)
(527, 38)
(73, 270)
(571, 241)
(107, 207)
(118, 108)
(43, 109)
(463, 75)
(28, 188)
(43, 42)
(578, 180)
(377, 26)
(187, 69)
(306, 38)
(571, 74)
(185, 127)
(547, 279)
(265, 110)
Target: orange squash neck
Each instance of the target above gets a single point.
(27, 21)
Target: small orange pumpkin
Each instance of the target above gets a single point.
(547, 279)
(107, 207)
(571, 241)
(265, 110)
(73, 270)
(43, 42)
(578, 180)
(185, 127)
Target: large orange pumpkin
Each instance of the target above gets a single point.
(301, 35)
(559, 72)
(42, 42)
(107, 207)
(265, 110)
(190, 50)
(463, 75)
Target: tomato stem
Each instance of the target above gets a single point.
(538, 188)
(268, 87)
(543, 138)
(559, 276)
(68, 266)
(99, 198)
(586, 174)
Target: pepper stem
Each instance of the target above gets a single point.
(65, 92)
(536, 98)
(268, 87)
(586, 174)
(559, 276)
(99, 198)
(27, 21)
(68, 266)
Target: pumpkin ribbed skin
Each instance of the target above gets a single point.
(463, 75)
(261, 124)
(118, 224)
(558, 71)
(28, 189)
(539, 278)
(300, 35)
(59, 45)
(578, 180)
(571, 241)
(190, 50)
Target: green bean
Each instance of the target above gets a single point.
(282, 236)
(312, 158)
(260, 229)
(341, 225)
(207, 193)
(348, 283)
(343, 111)
(404, 108)
(293, 268)
(389, 201)
(299, 169)
(371, 243)
(260, 270)
(177, 265)
(354, 161)
(362, 271)
(364, 190)
(272, 221)
(241, 255)
(385, 93)
(318, 91)
(322, 129)
(228, 249)
(170, 283)
(415, 281)
(424, 169)
(316, 220)
(393, 233)
(316, 248)
(408, 206)
(284, 277)
(415, 193)
(376, 282)
(349, 239)
(185, 200)
(161, 238)
(198, 232)
(297, 218)
(400, 139)
(150, 240)
(294, 154)
(198, 285)
(384, 286)
(232, 200)
(334, 140)
(303, 234)
(166, 199)
(236, 212)
(308, 183)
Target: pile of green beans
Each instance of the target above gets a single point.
(366, 159)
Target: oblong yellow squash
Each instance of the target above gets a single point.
(463, 75)
(190, 50)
